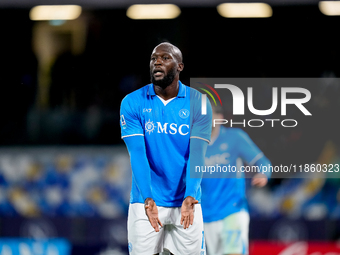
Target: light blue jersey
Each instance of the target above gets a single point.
(167, 127)
(224, 196)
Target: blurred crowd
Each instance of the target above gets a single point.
(96, 183)
(40, 183)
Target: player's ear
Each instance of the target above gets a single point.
(180, 67)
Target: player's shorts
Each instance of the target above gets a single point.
(144, 240)
(229, 235)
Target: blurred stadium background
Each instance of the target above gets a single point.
(64, 171)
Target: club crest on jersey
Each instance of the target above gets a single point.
(184, 113)
(149, 126)
(223, 146)
(122, 121)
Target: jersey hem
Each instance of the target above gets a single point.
(132, 135)
(256, 158)
(200, 138)
(162, 205)
(213, 219)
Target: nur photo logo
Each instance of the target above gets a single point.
(204, 97)
(281, 98)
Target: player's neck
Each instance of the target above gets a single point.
(169, 92)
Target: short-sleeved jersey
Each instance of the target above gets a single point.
(224, 196)
(167, 128)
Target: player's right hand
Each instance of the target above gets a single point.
(152, 213)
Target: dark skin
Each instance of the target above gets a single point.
(166, 59)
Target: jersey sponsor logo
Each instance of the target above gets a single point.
(130, 247)
(182, 129)
(184, 113)
(149, 126)
(167, 128)
(147, 110)
(217, 159)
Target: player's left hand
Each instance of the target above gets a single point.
(187, 211)
(259, 180)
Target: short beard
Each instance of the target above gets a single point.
(166, 81)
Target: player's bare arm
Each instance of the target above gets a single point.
(187, 211)
(152, 212)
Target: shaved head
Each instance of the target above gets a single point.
(165, 65)
(177, 54)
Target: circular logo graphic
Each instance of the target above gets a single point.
(149, 126)
(184, 113)
(223, 146)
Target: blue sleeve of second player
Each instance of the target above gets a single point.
(264, 163)
(201, 124)
(251, 153)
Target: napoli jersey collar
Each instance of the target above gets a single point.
(181, 91)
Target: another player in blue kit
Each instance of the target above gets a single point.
(164, 130)
(224, 204)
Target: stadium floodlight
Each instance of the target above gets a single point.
(153, 11)
(55, 12)
(245, 10)
(330, 8)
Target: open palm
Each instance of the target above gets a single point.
(152, 213)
